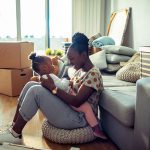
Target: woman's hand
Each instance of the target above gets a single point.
(48, 83)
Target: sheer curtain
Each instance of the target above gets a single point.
(8, 30)
(60, 22)
(60, 18)
(88, 16)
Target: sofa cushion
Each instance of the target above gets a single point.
(129, 90)
(121, 50)
(112, 81)
(112, 68)
(119, 105)
(115, 58)
(99, 59)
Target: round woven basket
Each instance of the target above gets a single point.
(62, 136)
(129, 72)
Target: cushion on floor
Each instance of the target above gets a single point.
(63, 136)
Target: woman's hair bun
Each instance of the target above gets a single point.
(32, 56)
(80, 38)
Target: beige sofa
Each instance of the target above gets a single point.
(125, 113)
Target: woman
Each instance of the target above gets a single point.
(52, 101)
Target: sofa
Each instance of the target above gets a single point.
(125, 112)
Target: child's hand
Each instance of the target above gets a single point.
(47, 83)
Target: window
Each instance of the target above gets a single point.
(60, 22)
(8, 29)
(33, 22)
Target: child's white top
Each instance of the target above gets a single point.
(60, 83)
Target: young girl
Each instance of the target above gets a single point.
(44, 67)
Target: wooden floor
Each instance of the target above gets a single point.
(32, 134)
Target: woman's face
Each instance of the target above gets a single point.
(76, 60)
(46, 67)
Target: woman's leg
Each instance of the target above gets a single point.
(25, 89)
(13, 134)
(56, 111)
(21, 97)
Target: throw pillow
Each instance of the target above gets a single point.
(129, 72)
(104, 40)
(122, 50)
(99, 59)
(112, 68)
(134, 58)
(114, 58)
(91, 39)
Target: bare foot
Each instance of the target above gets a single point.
(100, 134)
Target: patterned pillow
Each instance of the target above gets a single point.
(129, 72)
(134, 58)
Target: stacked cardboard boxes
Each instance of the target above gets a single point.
(15, 69)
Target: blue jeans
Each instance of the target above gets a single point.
(57, 112)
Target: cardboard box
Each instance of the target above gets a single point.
(15, 54)
(13, 80)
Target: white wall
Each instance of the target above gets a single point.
(138, 29)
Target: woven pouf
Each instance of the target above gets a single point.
(129, 72)
(62, 136)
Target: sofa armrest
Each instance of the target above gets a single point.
(142, 115)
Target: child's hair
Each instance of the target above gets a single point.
(80, 42)
(36, 61)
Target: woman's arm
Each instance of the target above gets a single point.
(74, 100)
